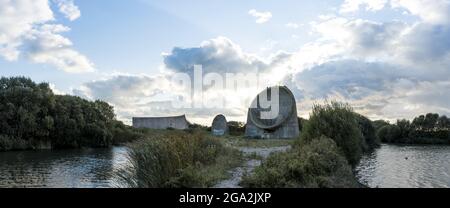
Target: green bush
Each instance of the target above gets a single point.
(371, 141)
(178, 159)
(424, 129)
(389, 133)
(5, 143)
(236, 128)
(317, 163)
(122, 134)
(338, 122)
(301, 123)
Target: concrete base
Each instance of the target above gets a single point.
(289, 130)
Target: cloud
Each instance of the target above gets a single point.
(143, 95)
(45, 45)
(292, 25)
(27, 27)
(124, 89)
(218, 55)
(377, 90)
(17, 19)
(69, 9)
(436, 11)
(351, 79)
(368, 5)
(261, 17)
(384, 69)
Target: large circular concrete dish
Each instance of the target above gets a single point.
(286, 108)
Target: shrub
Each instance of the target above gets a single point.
(301, 123)
(177, 159)
(122, 134)
(338, 122)
(317, 163)
(389, 133)
(236, 128)
(5, 143)
(369, 133)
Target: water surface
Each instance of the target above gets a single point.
(86, 168)
(394, 166)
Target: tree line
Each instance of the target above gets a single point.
(33, 117)
(424, 129)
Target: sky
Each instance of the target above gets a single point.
(388, 59)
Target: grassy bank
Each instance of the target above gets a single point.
(172, 159)
(241, 141)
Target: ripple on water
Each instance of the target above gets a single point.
(66, 168)
(393, 166)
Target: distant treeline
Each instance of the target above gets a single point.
(33, 117)
(425, 129)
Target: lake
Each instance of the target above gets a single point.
(389, 166)
(393, 166)
(85, 168)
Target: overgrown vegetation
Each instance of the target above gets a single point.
(171, 159)
(315, 164)
(256, 143)
(332, 142)
(33, 117)
(353, 133)
(425, 129)
(236, 128)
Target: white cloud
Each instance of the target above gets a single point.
(368, 5)
(27, 27)
(47, 46)
(142, 95)
(69, 9)
(17, 19)
(261, 17)
(292, 25)
(56, 90)
(216, 55)
(385, 70)
(436, 11)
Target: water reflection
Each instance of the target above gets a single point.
(406, 167)
(62, 168)
(389, 166)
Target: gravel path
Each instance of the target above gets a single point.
(249, 165)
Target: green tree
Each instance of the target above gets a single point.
(338, 122)
(404, 128)
(389, 134)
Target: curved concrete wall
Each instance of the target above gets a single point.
(287, 129)
(219, 126)
(177, 122)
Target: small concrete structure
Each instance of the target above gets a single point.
(283, 126)
(219, 126)
(176, 122)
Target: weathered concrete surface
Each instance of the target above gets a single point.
(284, 126)
(219, 126)
(176, 122)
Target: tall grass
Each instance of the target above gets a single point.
(170, 159)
